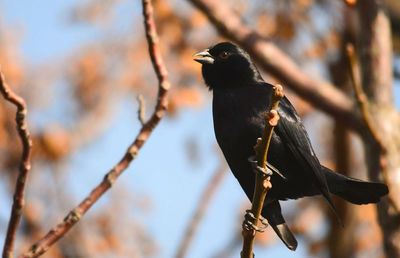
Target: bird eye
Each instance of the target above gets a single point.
(224, 55)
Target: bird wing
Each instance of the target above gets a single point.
(291, 131)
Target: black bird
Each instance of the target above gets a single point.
(240, 101)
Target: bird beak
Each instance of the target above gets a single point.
(203, 57)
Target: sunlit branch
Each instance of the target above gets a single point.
(362, 99)
(25, 166)
(76, 214)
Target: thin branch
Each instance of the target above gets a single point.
(76, 214)
(25, 165)
(204, 202)
(262, 184)
(364, 106)
(362, 99)
(142, 109)
(321, 94)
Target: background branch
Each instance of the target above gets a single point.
(25, 165)
(204, 202)
(361, 97)
(75, 215)
(321, 94)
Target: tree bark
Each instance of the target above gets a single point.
(375, 53)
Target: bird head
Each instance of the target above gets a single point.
(226, 65)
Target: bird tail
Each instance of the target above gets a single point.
(273, 213)
(354, 190)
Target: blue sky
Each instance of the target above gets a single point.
(47, 36)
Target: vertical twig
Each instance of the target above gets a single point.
(262, 184)
(75, 215)
(25, 165)
(362, 99)
(205, 200)
(364, 106)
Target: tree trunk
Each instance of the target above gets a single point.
(375, 53)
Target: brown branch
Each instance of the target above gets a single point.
(362, 99)
(321, 94)
(364, 106)
(25, 165)
(262, 184)
(75, 215)
(205, 200)
(142, 109)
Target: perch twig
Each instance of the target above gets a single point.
(262, 184)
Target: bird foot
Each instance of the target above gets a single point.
(257, 169)
(249, 222)
(269, 170)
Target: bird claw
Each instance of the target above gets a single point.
(263, 221)
(268, 171)
(258, 169)
(264, 171)
(249, 225)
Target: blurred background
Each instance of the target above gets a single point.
(80, 65)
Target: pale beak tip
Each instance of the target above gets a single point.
(203, 57)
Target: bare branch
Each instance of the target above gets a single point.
(321, 94)
(362, 99)
(205, 200)
(75, 215)
(262, 184)
(25, 166)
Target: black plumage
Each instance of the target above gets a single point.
(240, 100)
